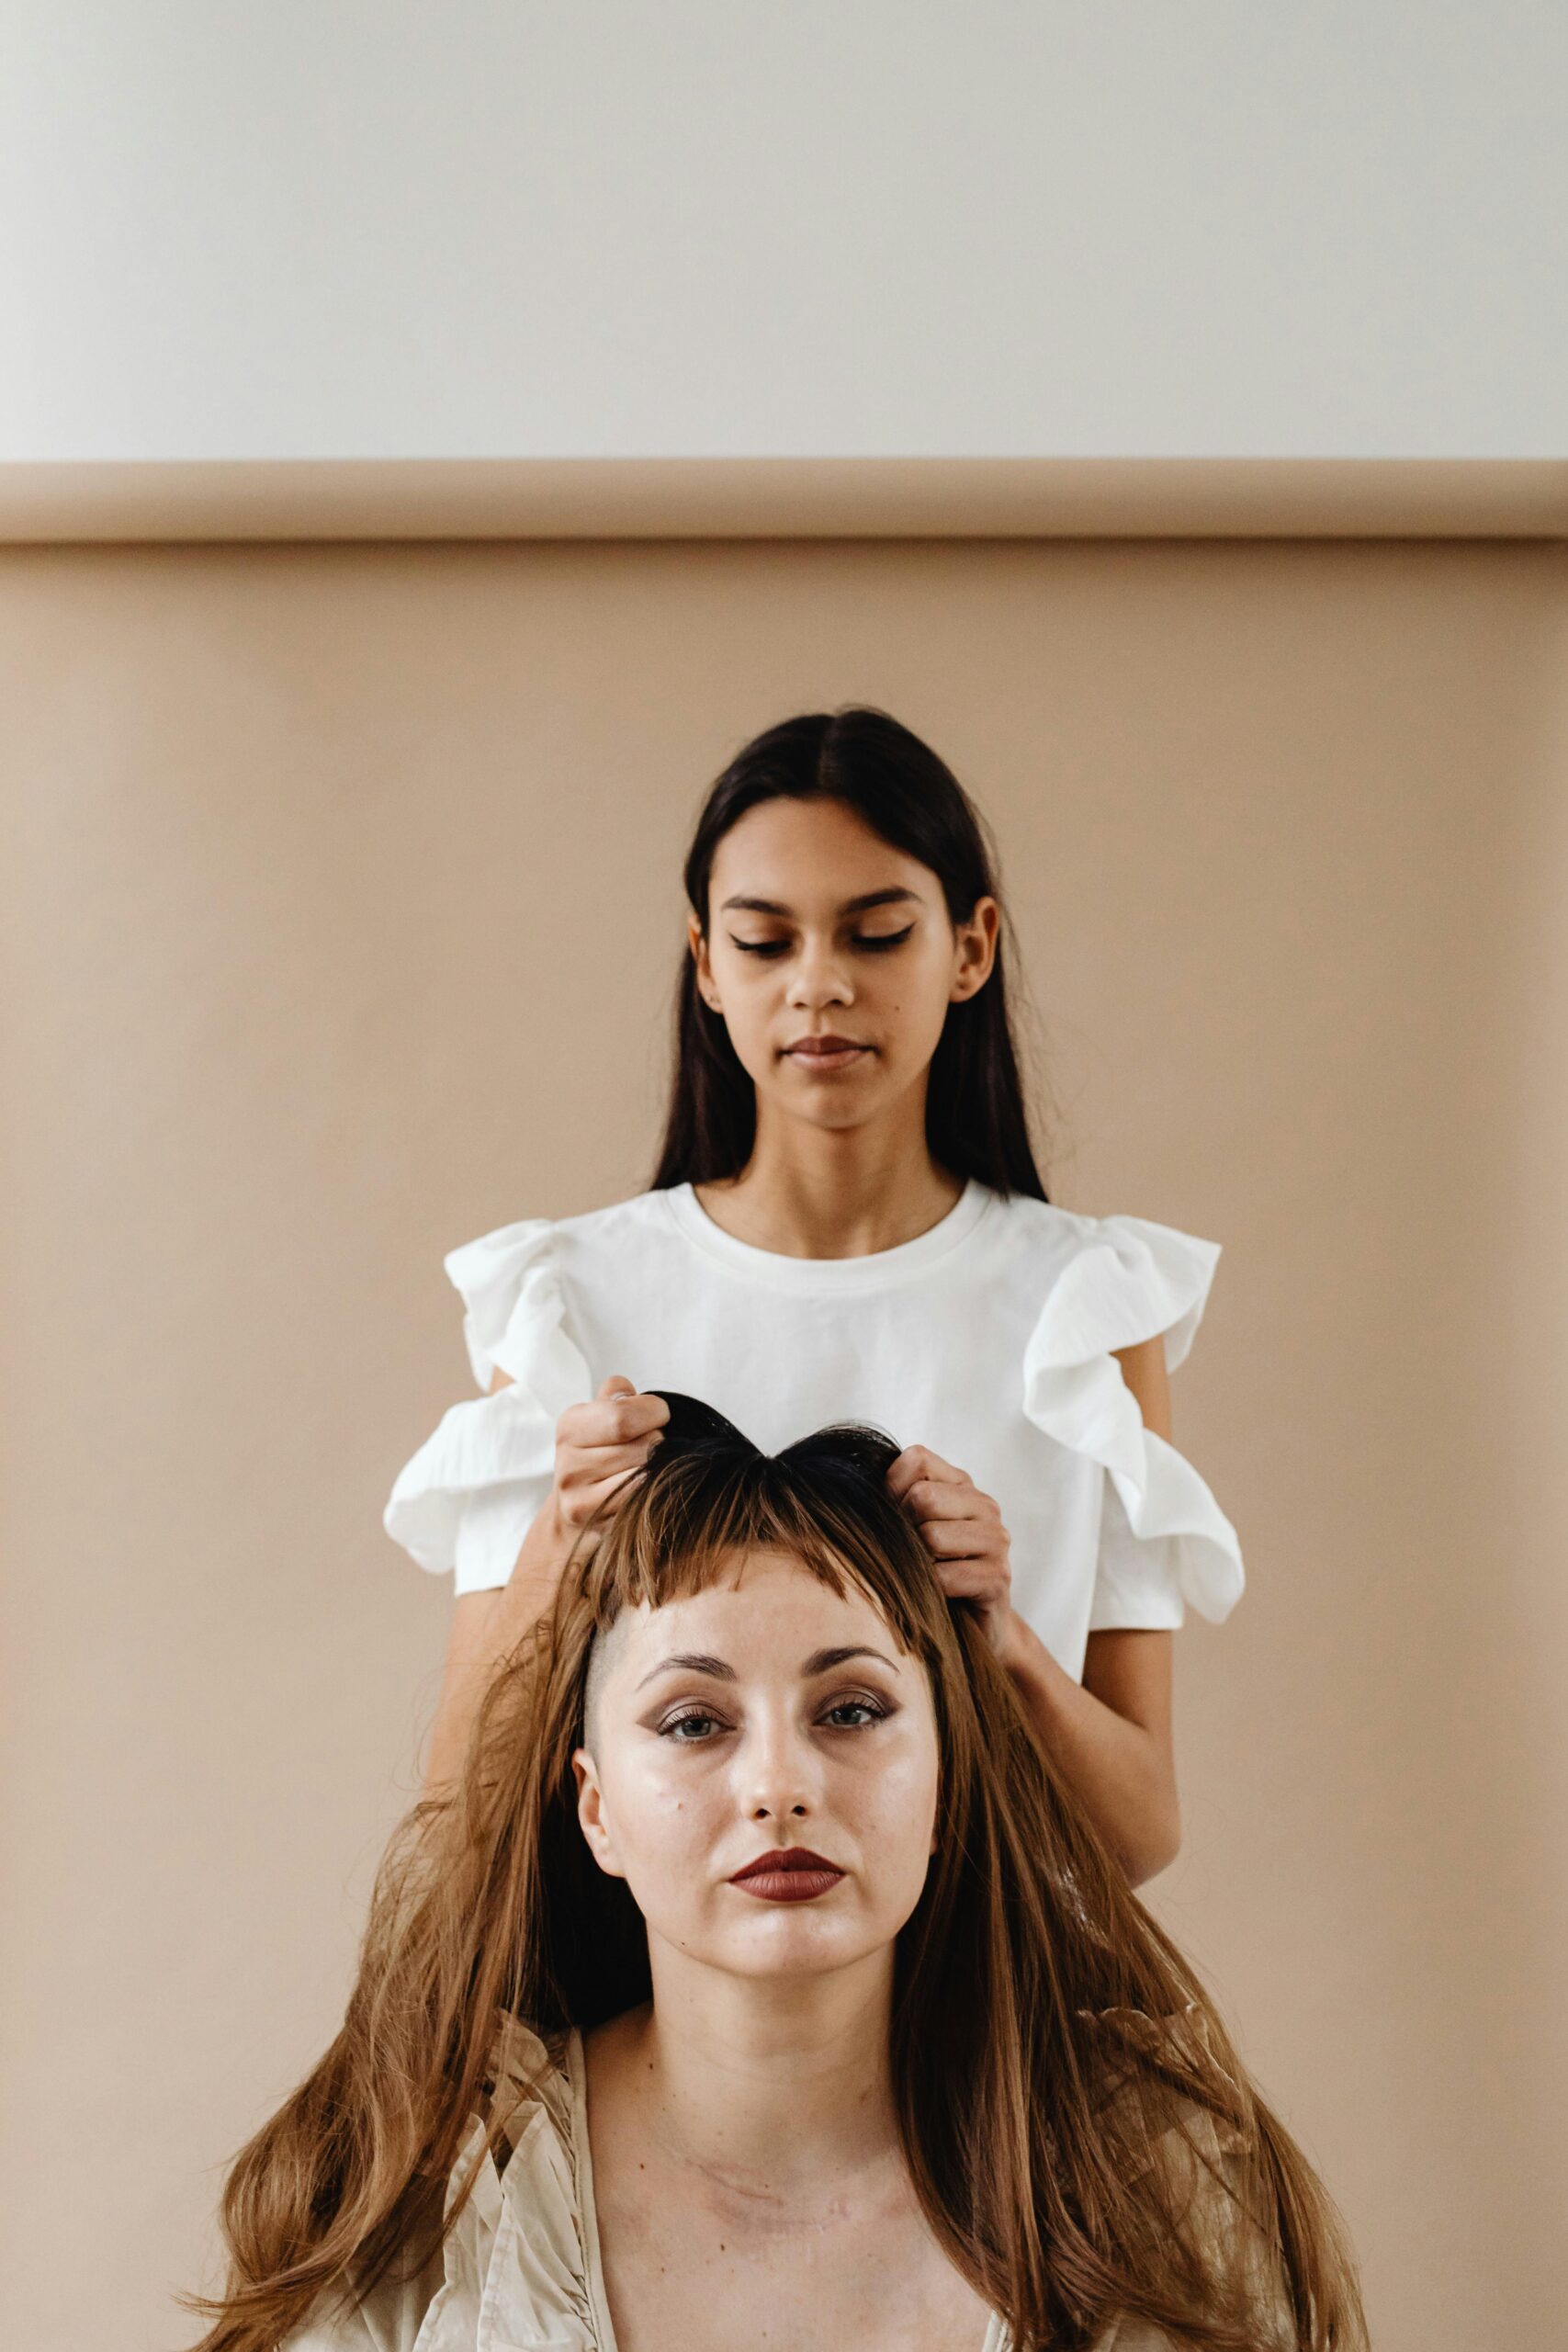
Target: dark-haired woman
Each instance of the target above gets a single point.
(846, 1220)
(761, 1984)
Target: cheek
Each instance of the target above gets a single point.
(749, 1010)
(914, 1000)
(660, 1808)
(891, 1804)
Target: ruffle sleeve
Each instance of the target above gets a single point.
(466, 1499)
(1164, 1540)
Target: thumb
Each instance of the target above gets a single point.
(616, 1384)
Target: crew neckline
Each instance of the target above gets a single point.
(873, 1270)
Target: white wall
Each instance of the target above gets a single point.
(357, 228)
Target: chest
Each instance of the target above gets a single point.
(696, 2267)
(918, 1358)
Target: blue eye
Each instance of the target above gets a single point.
(867, 1709)
(696, 1725)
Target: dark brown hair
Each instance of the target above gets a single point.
(976, 1118)
(1079, 2127)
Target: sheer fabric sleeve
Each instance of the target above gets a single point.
(389, 2319)
(1202, 2158)
(466, 1499)
(1164, 1540)
(512, 2271)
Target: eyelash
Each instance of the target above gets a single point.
(773, 947)
(868, 1705)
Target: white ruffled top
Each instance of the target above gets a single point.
(988, 1338)
(521, 2268)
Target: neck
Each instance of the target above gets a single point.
(809, 1192)
(783, 2086)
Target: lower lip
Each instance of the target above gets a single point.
(788, 1886)
(840, 1060)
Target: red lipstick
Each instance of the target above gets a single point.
(787, 1874)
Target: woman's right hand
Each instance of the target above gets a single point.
(600, 1445)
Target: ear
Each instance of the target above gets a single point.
(975, 950)
(590, 1813)
(699, 948)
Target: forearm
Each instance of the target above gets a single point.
(1118, 1770)
(485, 1628)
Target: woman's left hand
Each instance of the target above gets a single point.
(964, 1533)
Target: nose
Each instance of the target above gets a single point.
(779, 1774)
(820, 976)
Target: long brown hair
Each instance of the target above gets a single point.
(976, 1114)
(1067, 2093)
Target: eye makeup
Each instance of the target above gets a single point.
(877, 943)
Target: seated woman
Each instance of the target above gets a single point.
(761, 1988)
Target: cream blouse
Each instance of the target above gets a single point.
(520, 2269)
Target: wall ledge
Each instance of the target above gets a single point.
(709, 498)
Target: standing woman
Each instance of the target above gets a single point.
(847, 1222)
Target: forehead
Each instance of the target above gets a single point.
(764, 1610)
(821, 849)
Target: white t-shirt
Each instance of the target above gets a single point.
(987, 1337)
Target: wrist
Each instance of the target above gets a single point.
(1024, 1657)
(537, 1570)
(1010, 1640)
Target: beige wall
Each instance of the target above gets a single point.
(342, 904)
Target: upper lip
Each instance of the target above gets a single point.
(824, 1044)
(787, 1858)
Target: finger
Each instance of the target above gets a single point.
(960, 1539)
(966, 1580)
(915, 1462)
(612, 1420)
(578, 1466)
(583, 1501)
(960, 1584)
(929, 1498)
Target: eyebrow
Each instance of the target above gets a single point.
(691, 1662)
(850, 906)
(819, 1662)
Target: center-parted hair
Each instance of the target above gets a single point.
(1080, 2129)
(977, 1120)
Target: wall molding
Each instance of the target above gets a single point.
(708, 498)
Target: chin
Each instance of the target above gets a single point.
(793, 1946)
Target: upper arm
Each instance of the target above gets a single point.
(1129, 1667)
(1143, 1369)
